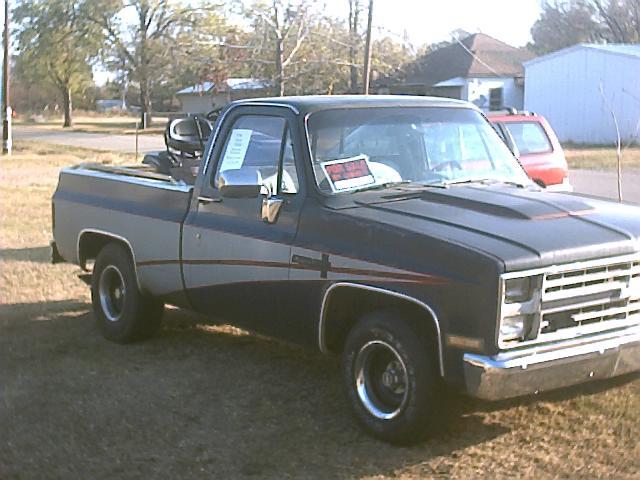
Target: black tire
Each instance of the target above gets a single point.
(123, 314)
(391, 378)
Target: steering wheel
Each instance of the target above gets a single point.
(447, 163)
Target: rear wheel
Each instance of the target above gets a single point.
(391, 378)
(122, 312)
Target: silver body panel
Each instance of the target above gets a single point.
(89, 202)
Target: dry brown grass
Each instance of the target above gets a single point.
(601, 158)
(201, 401)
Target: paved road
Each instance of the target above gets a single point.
(120, 143)
(603, 184)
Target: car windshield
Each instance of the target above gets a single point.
(366, 148)
(529, 137)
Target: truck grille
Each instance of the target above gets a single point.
(590, 297)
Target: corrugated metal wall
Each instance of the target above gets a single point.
(565, 88)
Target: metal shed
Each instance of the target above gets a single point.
(577, 88)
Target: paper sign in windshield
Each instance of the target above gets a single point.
(236, 149)
(348, 173)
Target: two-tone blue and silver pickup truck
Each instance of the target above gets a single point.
(399, 232)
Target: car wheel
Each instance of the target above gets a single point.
(391, 379)
(122, 312)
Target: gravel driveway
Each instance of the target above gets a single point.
(605, 184)
(119, 143)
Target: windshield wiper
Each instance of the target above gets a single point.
(483, 181)
(381, 186)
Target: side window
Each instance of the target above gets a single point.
(529, 137)
(255, 143)
(289, 174)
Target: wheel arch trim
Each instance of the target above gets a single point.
(114, 236)
(429, 310)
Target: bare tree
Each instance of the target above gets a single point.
(622, 18)
(144, 47)
(618, 141)
(282, 30)
(633, 138)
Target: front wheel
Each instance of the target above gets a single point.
(122, 312)
(391, 378)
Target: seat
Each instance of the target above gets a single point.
(188, 135)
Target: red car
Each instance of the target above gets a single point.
(536, 146)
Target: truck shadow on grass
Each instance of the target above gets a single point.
(197, 400)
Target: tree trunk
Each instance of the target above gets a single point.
(279, 52)
(367, 52)
(354, 13)
(145, 104)
(67, 106)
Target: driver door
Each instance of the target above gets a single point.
(235, 263)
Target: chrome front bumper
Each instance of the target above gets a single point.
(546, 367)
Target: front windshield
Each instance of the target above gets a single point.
(365, 148)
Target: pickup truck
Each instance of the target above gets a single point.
(398, 232)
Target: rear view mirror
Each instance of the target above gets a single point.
(241, 183)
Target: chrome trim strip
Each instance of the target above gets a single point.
(427, 308)
(112, 235)
(268, 104)
(145, 182)
(548, 353)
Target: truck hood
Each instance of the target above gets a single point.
(523, 228)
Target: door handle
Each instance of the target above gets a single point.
(271, 208)
(205, 200)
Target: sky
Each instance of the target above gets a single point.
(431, 21)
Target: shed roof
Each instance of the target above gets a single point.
(228, 84)
(477, 55)
(626, 49)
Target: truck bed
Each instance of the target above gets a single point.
(129, 202)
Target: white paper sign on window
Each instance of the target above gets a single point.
(236, 149)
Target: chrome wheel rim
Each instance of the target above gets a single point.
(112, 293)
(381, 380)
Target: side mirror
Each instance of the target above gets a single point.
(241, 183)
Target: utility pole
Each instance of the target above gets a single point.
(367, 51)
(6, 108)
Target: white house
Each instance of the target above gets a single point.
(479, 69)
(207, 96)
(577, 88)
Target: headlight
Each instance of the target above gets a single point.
(520, 310)
(517, 290)
(513, 328)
